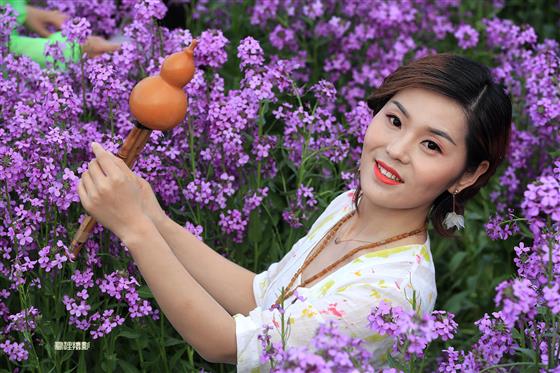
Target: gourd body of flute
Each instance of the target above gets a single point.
(158, 102)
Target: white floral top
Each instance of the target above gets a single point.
(347, 294)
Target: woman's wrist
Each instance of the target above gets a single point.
(160, 220)
(136, 231)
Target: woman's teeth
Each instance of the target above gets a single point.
(388, 174)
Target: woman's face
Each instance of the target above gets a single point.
(421, 135)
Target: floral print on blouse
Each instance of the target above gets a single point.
(346, 295)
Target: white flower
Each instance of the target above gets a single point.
(452, 219)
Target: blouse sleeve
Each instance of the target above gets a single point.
(348, 301)
(261, 282)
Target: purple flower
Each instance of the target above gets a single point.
(542, 198)
(105, 323)
(83, 279)
(15, 351)
(551, 295)
(314, 9)
(146, 9)
(467, 36)
(496, 339)
(76, 29)
(254, 201)
(517, 297)
(330, 350)
(211, 49)
(441, 324)
(388, 320)
(325, 92)
(233, 222)
(282, 37)
(250, 53)
(196, 230)
(26, 320)
(74, 308)
(291, 218)
(458, 361)
(305, 197)
(497, 230)
(7, 24)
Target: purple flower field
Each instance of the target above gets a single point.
(274, 131)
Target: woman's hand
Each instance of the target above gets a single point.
(110, 193)
(38, 20)
(96, 45)
(150, 204)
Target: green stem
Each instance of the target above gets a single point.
(141, 355)
(191, 145)
(506, 365)
(162, 346)
(297, 94)
(256, 256)
(26, 334)
(83, 83)
(160, 36)
(523, 342)
(259, 121)
(274, 228)
(9, 203)
(283, 322)
(111, 121)
(155, 36)
(423, 361)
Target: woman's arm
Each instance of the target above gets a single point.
(195, 314)
(230, 284)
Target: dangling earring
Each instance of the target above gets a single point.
(452, 219)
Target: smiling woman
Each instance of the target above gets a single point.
(441, 126)
(442, 116)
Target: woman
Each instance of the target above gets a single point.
(39, 20)
(441, 128)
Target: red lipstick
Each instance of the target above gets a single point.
(384, 178)
(391, 170)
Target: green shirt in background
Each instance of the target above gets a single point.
(33, 47)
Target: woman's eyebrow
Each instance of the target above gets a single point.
(435, 131)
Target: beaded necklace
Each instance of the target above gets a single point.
(324, 244)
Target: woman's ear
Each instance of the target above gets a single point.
(469, 178)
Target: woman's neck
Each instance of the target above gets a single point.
(374, 223)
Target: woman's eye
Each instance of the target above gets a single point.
(395, 121)
(435, 146)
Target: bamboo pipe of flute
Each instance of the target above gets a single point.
(158, 103)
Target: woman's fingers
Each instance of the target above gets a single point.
(105, 161)
(90, 189)
(57, 18)
(82, 192)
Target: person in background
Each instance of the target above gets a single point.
(38, 20)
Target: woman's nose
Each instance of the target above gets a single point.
(398, 149)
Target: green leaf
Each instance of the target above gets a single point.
(145, 292)
(531, 354)
(170, 341)
(108, 363)
(457, 260)
(176, 356)
(129, 333)
(127, 367)
(256, 225)
(396, 363)
(82, 364)
(456, 302)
